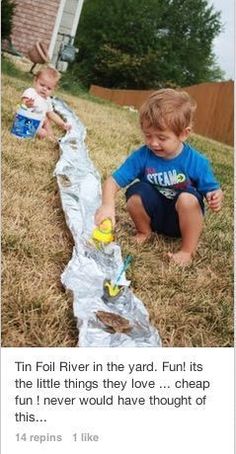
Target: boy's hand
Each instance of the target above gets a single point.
(105, 211)
(215, 199)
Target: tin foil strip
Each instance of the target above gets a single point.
(84, 276)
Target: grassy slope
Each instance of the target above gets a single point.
(191, 307)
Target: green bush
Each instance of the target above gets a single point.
(7, 7)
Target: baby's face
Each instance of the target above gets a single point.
(44, 85)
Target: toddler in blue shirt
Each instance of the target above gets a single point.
(167, 178)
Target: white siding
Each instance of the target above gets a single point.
(68, 25)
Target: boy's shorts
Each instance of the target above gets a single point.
(161, 210)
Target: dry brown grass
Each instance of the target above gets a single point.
(190, 307)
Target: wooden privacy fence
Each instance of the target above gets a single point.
(215, 111)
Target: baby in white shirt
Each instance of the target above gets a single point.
(38, 99)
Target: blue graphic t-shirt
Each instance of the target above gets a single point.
(189, 169)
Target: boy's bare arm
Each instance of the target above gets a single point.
(215, 199)
(58, 121)
(107, 209)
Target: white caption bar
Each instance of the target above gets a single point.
(117, 400)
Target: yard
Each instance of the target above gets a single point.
(190, 307)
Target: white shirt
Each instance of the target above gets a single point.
(41, 105)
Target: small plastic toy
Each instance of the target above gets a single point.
(112, 290)
(103, 234)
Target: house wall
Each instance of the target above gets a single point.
(68, 16)
(65, 26)
(33, 21)
(68, 25)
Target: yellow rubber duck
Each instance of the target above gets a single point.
(104, 232)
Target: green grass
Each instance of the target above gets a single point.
(10, 69)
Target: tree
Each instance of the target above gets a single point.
(7, 10)
(150, 44)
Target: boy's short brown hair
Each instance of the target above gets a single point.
(49, 71)
(168, 108)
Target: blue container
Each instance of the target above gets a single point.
(26, 123)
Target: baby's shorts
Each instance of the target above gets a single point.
(161, 210)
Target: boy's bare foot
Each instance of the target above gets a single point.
(142, 237)
(181, 258)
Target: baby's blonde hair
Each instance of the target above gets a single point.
(168, 108)
(50, 72)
